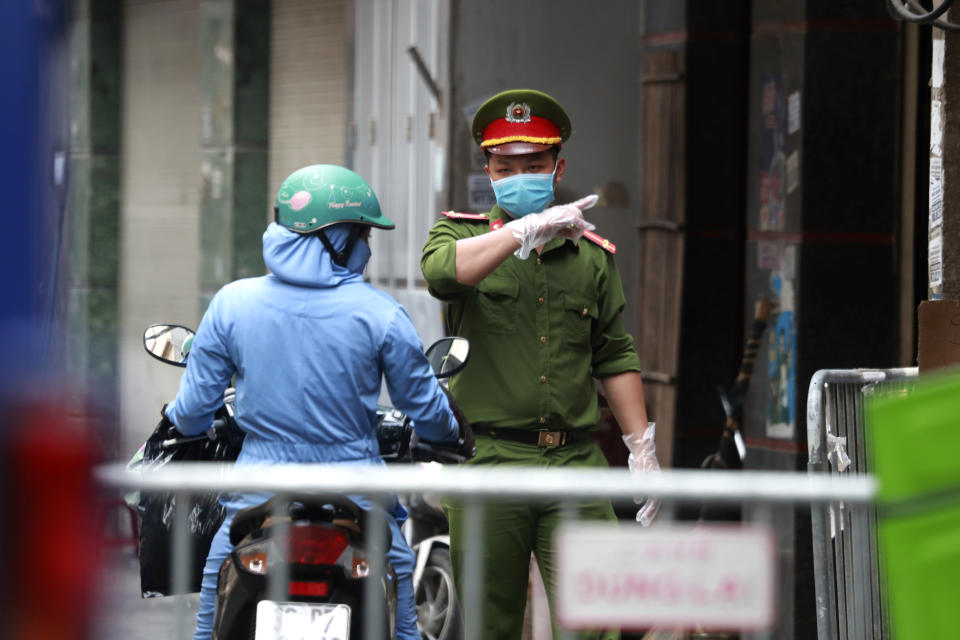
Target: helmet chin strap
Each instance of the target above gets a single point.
(340, 257)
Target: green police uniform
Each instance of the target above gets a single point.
(540, 330)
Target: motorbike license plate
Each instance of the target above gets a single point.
(302, 621)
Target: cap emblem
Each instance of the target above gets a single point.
(518, 112)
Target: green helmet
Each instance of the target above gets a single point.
(320, 195)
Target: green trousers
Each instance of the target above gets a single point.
(512, 530)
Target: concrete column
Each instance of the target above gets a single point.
(234, 86)
(690, 339)
(92, 212)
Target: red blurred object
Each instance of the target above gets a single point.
(314, 544)
(310, 589)
(52, 530)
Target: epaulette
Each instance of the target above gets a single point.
(602, 242)
(475, 217)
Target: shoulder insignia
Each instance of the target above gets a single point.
(476, 217)
(602, 242)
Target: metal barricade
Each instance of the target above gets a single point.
(762, 492)
(849, 599)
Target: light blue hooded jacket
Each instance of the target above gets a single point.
(309, 344)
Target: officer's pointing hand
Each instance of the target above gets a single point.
(564, 220)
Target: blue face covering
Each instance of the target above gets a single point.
(524, 193)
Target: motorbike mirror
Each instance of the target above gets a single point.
(169, 343)
(448, 356)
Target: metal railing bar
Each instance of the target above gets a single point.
(830, 580)
(863, 599)
(835, 405)
(843, 581)
(851, 550)
(712, 486)
(821, 516)
(278, 578)
(373, 590)
(182, 551)
(568, 514)
(861, 523)
(815, 398)
(473, 567)
(762, 514)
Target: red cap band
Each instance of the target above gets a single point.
(538, 131)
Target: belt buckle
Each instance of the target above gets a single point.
(551, 438)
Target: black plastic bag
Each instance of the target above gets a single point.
(157, 509)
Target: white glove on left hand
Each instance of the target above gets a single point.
(643, 461)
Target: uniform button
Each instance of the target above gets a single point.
(543, 379)
(585, 311)
(543, 339)
(539, 261)
(543, 420)
(540, 300)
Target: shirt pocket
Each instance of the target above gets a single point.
(496, 302)
(579, 314)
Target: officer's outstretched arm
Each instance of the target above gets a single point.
(478, 256)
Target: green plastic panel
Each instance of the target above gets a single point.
(914, 440)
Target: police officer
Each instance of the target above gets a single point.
(542, 309)
(309, 344)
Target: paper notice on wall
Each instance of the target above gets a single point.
(936, 76)
(768, 255)
(793, 172)
(480, 196)
(793, 112)
(935, 260)
(936, 192)
(936, 169)
(936, 128)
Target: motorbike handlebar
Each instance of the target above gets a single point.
(209, 434)
(422, 451)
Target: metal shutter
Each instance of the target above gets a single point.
(308, 86)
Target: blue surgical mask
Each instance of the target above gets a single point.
(524, 193)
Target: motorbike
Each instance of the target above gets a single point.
(328, 552)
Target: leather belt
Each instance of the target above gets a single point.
(547, 439)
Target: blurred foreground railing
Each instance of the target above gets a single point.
(758, 492)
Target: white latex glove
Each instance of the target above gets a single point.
(559, 221)
(643, 461)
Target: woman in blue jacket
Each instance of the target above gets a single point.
(309, 344)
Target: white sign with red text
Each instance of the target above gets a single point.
(718, 576)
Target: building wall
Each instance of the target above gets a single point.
(159, 198)
(821, 222)
(590, 61)
(398, 138)
(308, 87)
